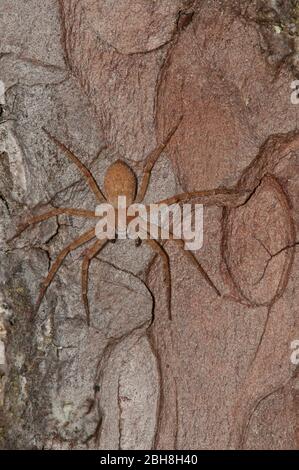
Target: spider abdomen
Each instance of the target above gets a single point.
(120, 181)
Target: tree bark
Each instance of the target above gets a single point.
(110, 79)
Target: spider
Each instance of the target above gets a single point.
(120, 180)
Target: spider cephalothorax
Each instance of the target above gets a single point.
(120, 180)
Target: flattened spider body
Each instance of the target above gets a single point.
(119, 181)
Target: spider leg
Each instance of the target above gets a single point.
(196, 263)
(220, 196)
(170, 235)
(87, 236)
(160, 250)
(150, 162)
(84, 170)
(90, 253)
(47, 215)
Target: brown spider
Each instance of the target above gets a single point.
(121, 181)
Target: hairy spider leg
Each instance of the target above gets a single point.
(150, 162)
(160, 250)
(84, 238)
(89, 254)
(84, 170)
(47, 215)
(219, 196)
(197, 264)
